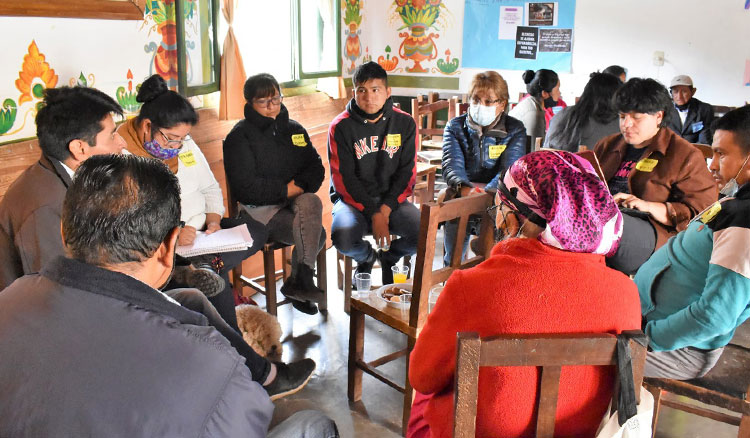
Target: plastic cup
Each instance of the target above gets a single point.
(405, 304)
(363, 281)
(400, 273)
(434, 294)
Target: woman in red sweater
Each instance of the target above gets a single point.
(551, 278)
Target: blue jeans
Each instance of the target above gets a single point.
(305, 424)
(350, 226)
(450, 229)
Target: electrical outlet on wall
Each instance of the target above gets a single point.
(658, 58)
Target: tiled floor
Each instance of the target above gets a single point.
(325, 339)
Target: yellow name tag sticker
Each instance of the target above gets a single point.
(496, 150)
(393, 140)
(299, 140)
(646, 164)
(188, 159)
(710, 213)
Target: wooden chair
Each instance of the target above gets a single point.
(423, 113)
(548, 351)
(726, 386)
(266, 283)
(432, 214)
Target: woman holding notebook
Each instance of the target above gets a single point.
(162, 130)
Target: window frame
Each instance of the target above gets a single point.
(297, 60)
(182, 86)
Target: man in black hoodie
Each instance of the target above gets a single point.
(371, 151)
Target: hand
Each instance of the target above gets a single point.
(212, 227)
(631, 201)
(187, 236)
(380, 230)
(293, 190)
(465, 191)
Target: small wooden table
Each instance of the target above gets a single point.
(424, 189)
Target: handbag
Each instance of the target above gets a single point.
(630, 420)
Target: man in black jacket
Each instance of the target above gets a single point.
(691, 119)
(371, 151)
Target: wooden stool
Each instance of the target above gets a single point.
(270, 276)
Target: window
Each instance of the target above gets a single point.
(197, 46)
(318, 44)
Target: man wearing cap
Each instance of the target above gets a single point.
(691, 118)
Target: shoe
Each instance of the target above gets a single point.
(301, 287)
(305, 307)
(205, 280)
(290, 378)
(301, 299)
(385, 267)
(364, 267)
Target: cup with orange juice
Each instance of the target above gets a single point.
(400, 273)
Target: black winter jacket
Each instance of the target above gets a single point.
(261, 155)
(372, 163)
(697, 126)
(469, 156)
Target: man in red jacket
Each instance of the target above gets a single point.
(372, 152)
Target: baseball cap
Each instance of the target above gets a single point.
(681, 80)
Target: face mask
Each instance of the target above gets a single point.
(482, 115)
(154, 148)
(550, 102)
(731, 187)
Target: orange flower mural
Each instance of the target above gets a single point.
(35, 75)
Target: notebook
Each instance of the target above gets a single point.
(226, 240)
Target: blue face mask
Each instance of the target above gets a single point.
(154, 148)
(482, 115)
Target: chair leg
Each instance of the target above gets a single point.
(322, 277)
(339, 272)
(237, 284)
(347, 283)
(408, 390)
(356, 353)
(269, 278)
(286, 262)
(656, 392)
(744, 431)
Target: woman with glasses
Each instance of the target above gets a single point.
(479, 145)
(547, 276)
(162, 130)
(274, 170)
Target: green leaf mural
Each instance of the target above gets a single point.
(7, 115)
(82, 82)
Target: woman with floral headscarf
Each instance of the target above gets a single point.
(547, 276)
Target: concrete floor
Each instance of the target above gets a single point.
(325, 339)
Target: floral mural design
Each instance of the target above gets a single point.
(126, 98)
(83, 81)
(418, 17)
(164, 59)
(388, 63)
(35, 75)
(7, 115)
(352, 22)
(447, 66)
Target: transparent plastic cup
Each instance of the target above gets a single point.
(362, 282)
(434, 294)
(405, 305)
(400, 273)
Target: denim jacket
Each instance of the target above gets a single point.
(469, 156)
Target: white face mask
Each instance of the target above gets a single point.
(482, 115)
(731, 187)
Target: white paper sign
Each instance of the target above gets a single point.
(510, 18)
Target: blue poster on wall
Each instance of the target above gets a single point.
(518, 35)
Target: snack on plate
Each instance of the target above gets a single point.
(394, 293)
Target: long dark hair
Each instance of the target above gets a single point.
(595, 103)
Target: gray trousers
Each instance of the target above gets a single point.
(683, 364)
(305, 424)
(300, 224)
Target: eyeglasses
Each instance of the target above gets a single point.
(174, 144)
(276, 100)
(512, 220)
(477, 101)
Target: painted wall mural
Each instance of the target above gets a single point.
(160, 18)
(408, 38)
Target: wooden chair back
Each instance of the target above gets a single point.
(433, 214)
(423, 113)
(549, 351)
(705, 150)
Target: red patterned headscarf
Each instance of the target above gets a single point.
(563, 189)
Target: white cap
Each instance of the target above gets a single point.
(682, 80)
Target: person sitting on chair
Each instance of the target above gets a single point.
(695, 290)
(372, 154)
(691, 119)
(479, 146)
(274, 170)
(548, 277)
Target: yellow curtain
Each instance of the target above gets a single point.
(232, 71)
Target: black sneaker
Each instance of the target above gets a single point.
(365, 266)
(385, 266)
(290, 378)
(305, 306)
(205, 280)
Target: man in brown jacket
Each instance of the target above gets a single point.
(658, 178)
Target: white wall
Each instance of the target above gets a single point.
(709, 41)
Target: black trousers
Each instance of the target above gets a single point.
(636, 246)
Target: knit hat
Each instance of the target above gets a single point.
(563, 189)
